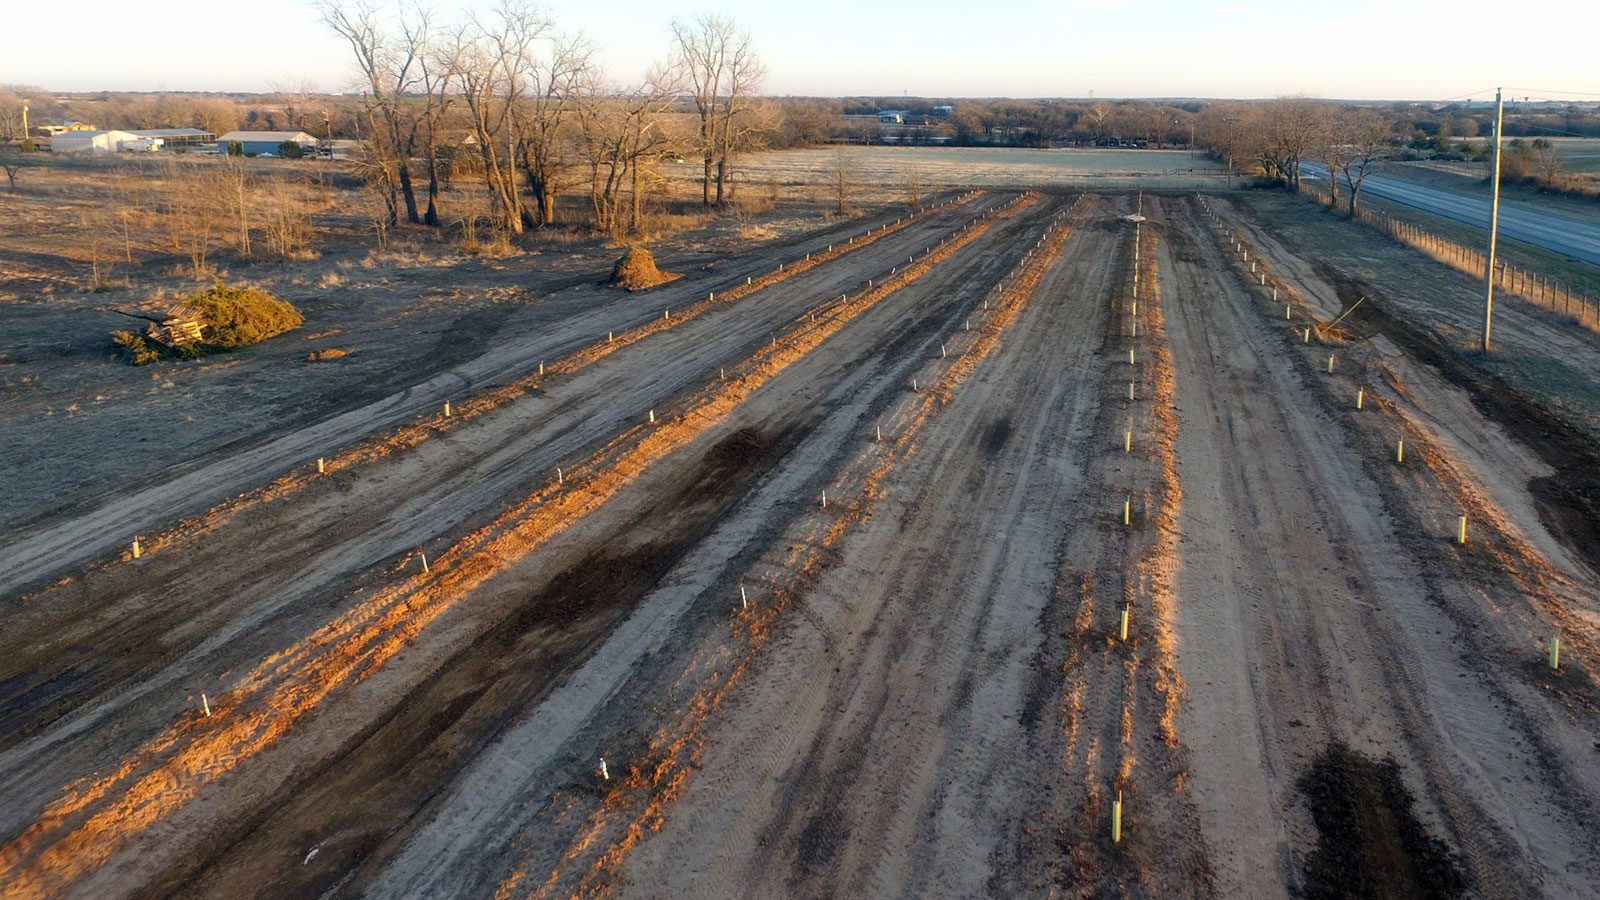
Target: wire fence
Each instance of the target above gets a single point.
(1533, 287)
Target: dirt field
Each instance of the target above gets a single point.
(814, 587)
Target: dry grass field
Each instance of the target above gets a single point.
(805, 574)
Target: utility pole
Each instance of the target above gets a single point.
(1494, 223)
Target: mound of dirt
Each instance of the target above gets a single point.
(636, 271)
(1370, 843)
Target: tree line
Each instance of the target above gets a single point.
(537, 115)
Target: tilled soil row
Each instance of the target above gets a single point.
(82, 831)
(1487, 594)
(76, 647)
(195, 528)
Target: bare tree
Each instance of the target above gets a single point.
(490, 62)
(436, 69)
(230, 188)
(623, 136)
(1291, 128)
(843, 174)
(1368, 139)
(12, 163)
(296, 96)
(389, 65)
(1546, 161)
(914, 190)
(551, 76)
(723, 71)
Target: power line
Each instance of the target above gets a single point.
(1567, 93)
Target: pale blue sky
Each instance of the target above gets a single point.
(1020, 48)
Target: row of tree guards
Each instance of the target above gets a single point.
(137, 549)
(1534, 287)
(1126, 613)
(1242, 248)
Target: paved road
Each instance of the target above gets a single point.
(1552, 232)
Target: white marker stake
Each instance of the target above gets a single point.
(652, 417)
(1555, 652)
(941, 350)
(541, 367)
(1135, 327)
(1130, 390)
(969, 325)
(1361, 394)
(609, 337)
(1461, 531)
(604, 772)
(879, 433)
(1286, 312)
(1127, 511)
(1274, 293)
(1307, 338)
(722, 372)
(1400, 451)
(1125, 623)
(136, 550)
(1116, 819)
(322, 466)
(424, 561)
(913, 385)
(666, 314)
(205, 704)
(1127, 441)
(1130, 356)
(447, 409)
(824, 499)
(1330, 363)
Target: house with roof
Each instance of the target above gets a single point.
(265, 143)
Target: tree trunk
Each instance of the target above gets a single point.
(431, 217)
(547, 205)
(408, 192)
(636, 203)
(705, 189)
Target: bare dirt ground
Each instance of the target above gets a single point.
(832, 574)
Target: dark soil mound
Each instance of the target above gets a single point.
(636, 271)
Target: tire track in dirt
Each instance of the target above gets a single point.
(535, 672)
(95, 819)
(1461, 732)
(76, 647)
(609, 828)
(1502, 596)
(501, 795)
(21, 566)
(1108, 723)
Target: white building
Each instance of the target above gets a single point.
(101, 142)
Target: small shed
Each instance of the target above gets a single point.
(266, 143)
